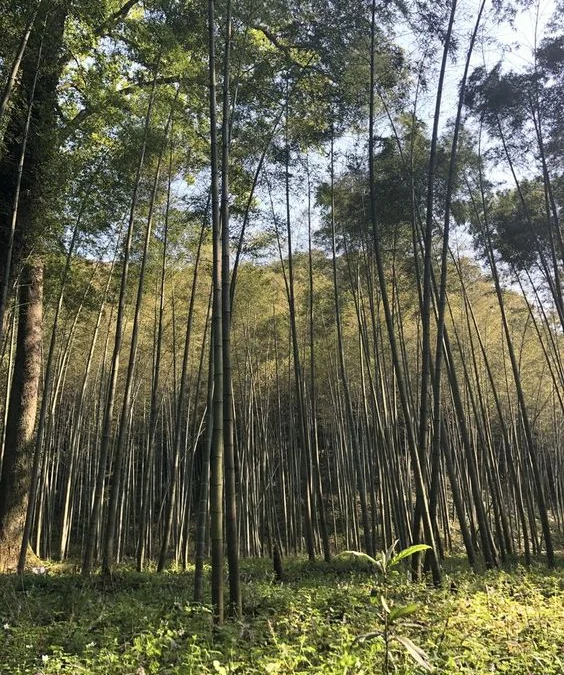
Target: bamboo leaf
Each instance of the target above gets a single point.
(358, 554)
(416, 653)
(389, 554)
(411, 550)
(368, 636)
(406, 610)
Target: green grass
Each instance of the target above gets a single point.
(499, 622)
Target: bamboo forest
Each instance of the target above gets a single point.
(281, 337)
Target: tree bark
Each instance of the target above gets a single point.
(21, 416)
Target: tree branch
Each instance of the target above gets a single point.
(275, 40)
(116, 17)
(286, 49)
(73, 124)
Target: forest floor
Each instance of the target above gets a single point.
(503, 621)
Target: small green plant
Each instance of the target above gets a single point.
(393, 615)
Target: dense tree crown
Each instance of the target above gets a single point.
(278, 277)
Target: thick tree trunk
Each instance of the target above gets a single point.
(14, 481)
(30, 143)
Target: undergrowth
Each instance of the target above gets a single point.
(145, 624)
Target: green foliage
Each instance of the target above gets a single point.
(390, 613)
(522, 113)
(389, 558)
(503, 622)
(519, 225)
